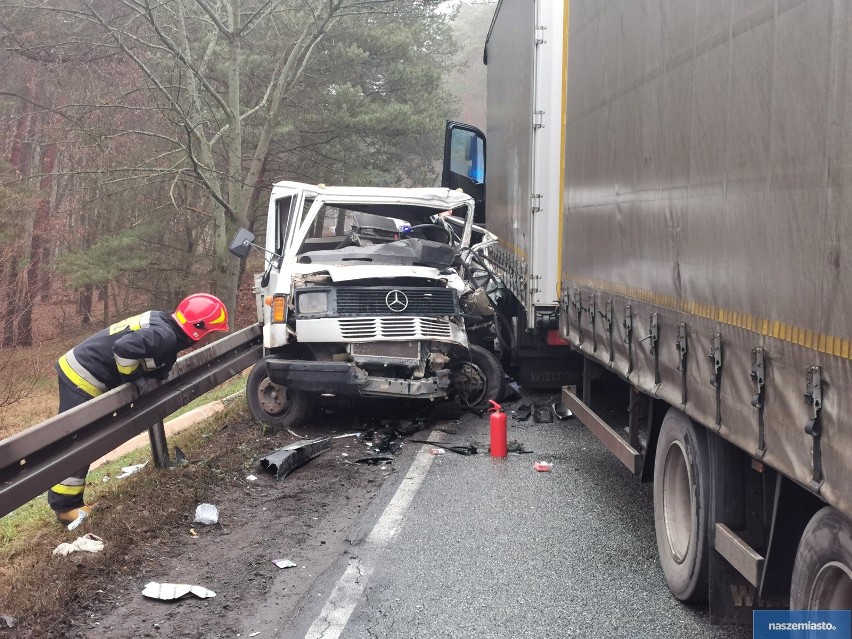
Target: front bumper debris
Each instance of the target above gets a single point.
(345, 378)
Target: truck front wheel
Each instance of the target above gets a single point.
(478, 380)
(681, 505)
(822, 574)
(273, 404)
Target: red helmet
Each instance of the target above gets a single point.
(201, 313)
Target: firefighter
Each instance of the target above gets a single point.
(142, 350)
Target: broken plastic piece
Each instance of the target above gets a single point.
(542, 414)
(10, 621)
(282, 461)
(522, 413)
(542, 466)
(470, 449)
(170, 592)
(284, 563)
(514, 446)
(251, 478)
(374, 460)
(126, 471)
(562, 411)
(513, 392)
(206, 514)
(192, 533)
(436, 451)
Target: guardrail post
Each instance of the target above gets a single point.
(159, 446)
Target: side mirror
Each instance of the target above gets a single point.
(242, 243)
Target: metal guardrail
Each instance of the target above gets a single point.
(39, 457)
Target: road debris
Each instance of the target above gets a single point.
(282, 461)
(514, 446)
(522, 413)
(513, 392)
(542, 414)
(542, 466)
(284, 563)
(127, 471)
(385, 435)
(206, 514)
(357, 435)
(170, 592)
(562, 411)
(374, 460)
(193, 533)
(436, 451)
(86, 543)
(469, 449)
(251, 478)
(10, 621)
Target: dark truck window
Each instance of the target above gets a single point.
(283, 216)
(464, 164)
(468, 153)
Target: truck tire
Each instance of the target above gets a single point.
(822, 574)
(479, 380)
(273, 404)
(681, 506)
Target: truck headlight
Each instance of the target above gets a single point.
(314, 302)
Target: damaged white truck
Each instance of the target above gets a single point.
(371, 292)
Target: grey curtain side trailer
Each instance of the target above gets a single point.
(672, 178)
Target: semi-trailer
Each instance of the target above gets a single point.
(674, 177)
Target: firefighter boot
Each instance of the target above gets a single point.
(75, 514)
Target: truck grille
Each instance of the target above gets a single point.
(394, 328)
(372, 301)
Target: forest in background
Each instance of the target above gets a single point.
(136, 137)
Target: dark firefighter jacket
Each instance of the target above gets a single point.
(140, 345)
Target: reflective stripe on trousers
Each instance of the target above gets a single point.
(68, 493)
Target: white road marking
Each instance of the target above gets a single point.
(348, 590)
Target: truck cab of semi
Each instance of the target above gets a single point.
(370, 292)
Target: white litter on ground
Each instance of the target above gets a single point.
(126, 471)
(170, 592)
(86, 543)
(206, 514)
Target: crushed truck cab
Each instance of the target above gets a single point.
(369, 292)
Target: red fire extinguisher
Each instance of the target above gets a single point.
(497, 422)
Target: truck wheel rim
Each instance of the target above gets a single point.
(832, 589)
(677, 502)
(273, 398)
(471, 383)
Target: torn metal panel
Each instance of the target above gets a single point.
(283, 461)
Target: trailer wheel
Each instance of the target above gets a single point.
(273, 404)
(822, 574)
(478, 380)
(681, 506)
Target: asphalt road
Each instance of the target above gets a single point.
(476, 547)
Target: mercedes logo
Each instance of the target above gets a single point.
(397, 301)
